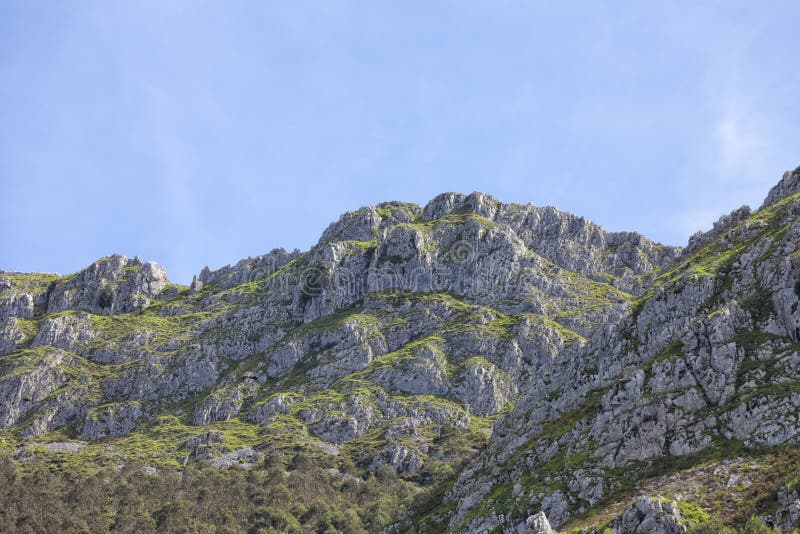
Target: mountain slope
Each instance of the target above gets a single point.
(702, 368)
(587, 367)
(401, 323)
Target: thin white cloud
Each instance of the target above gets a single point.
(743, 135)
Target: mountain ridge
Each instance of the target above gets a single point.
(465, 345)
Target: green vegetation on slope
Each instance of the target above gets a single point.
(283, 495)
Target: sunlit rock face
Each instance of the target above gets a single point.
(560, 355)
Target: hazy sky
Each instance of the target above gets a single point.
(197, 133)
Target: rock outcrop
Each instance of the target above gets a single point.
(789, 185)
(787, 516)
(537, 524)
(108, 286)
(650, 515)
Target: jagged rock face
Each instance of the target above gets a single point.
(787, 516)
(789, 185)
(402, 321)
(11, 336)
(277, 405)
(538, 524)
(111, 285)
(711, 357)
(110, 421)
(652, 516)
(16, 305)
(245, 271)
(26, 384)
(223, 406)
(470, 246)
(68, 332)
(725, 223)
(588, 250)
(407, 325)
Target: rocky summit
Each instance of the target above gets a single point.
(466, 366)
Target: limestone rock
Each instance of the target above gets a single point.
(207, 445)
(223, 405)
(787, 516)
(16, 305)
(112, 420)
(245, 457)
(650, 515)
(789, 185)
(69, 332)
(111, 285)
(402, 458)
(277, 405)
(11, 336)
(538, 524)
(29, 383)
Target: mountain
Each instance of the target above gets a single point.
(467, 366)
(692, 392)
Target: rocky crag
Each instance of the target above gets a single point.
(589, 379)
(701, 369)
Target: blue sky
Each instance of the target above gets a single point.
(198, 133)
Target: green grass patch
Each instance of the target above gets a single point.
(28, 282)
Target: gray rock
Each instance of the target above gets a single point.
(245, 457)
(789, 185)
(69, 332)
(787, 516)
(112, 420)
(16, 304)
(537, 524)
(277, 405)
(23, 388)
(222, 405)
(111, 285)
(402, 458)
(11, 336)
(652, 516)
(207, 445)
(63, 446)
